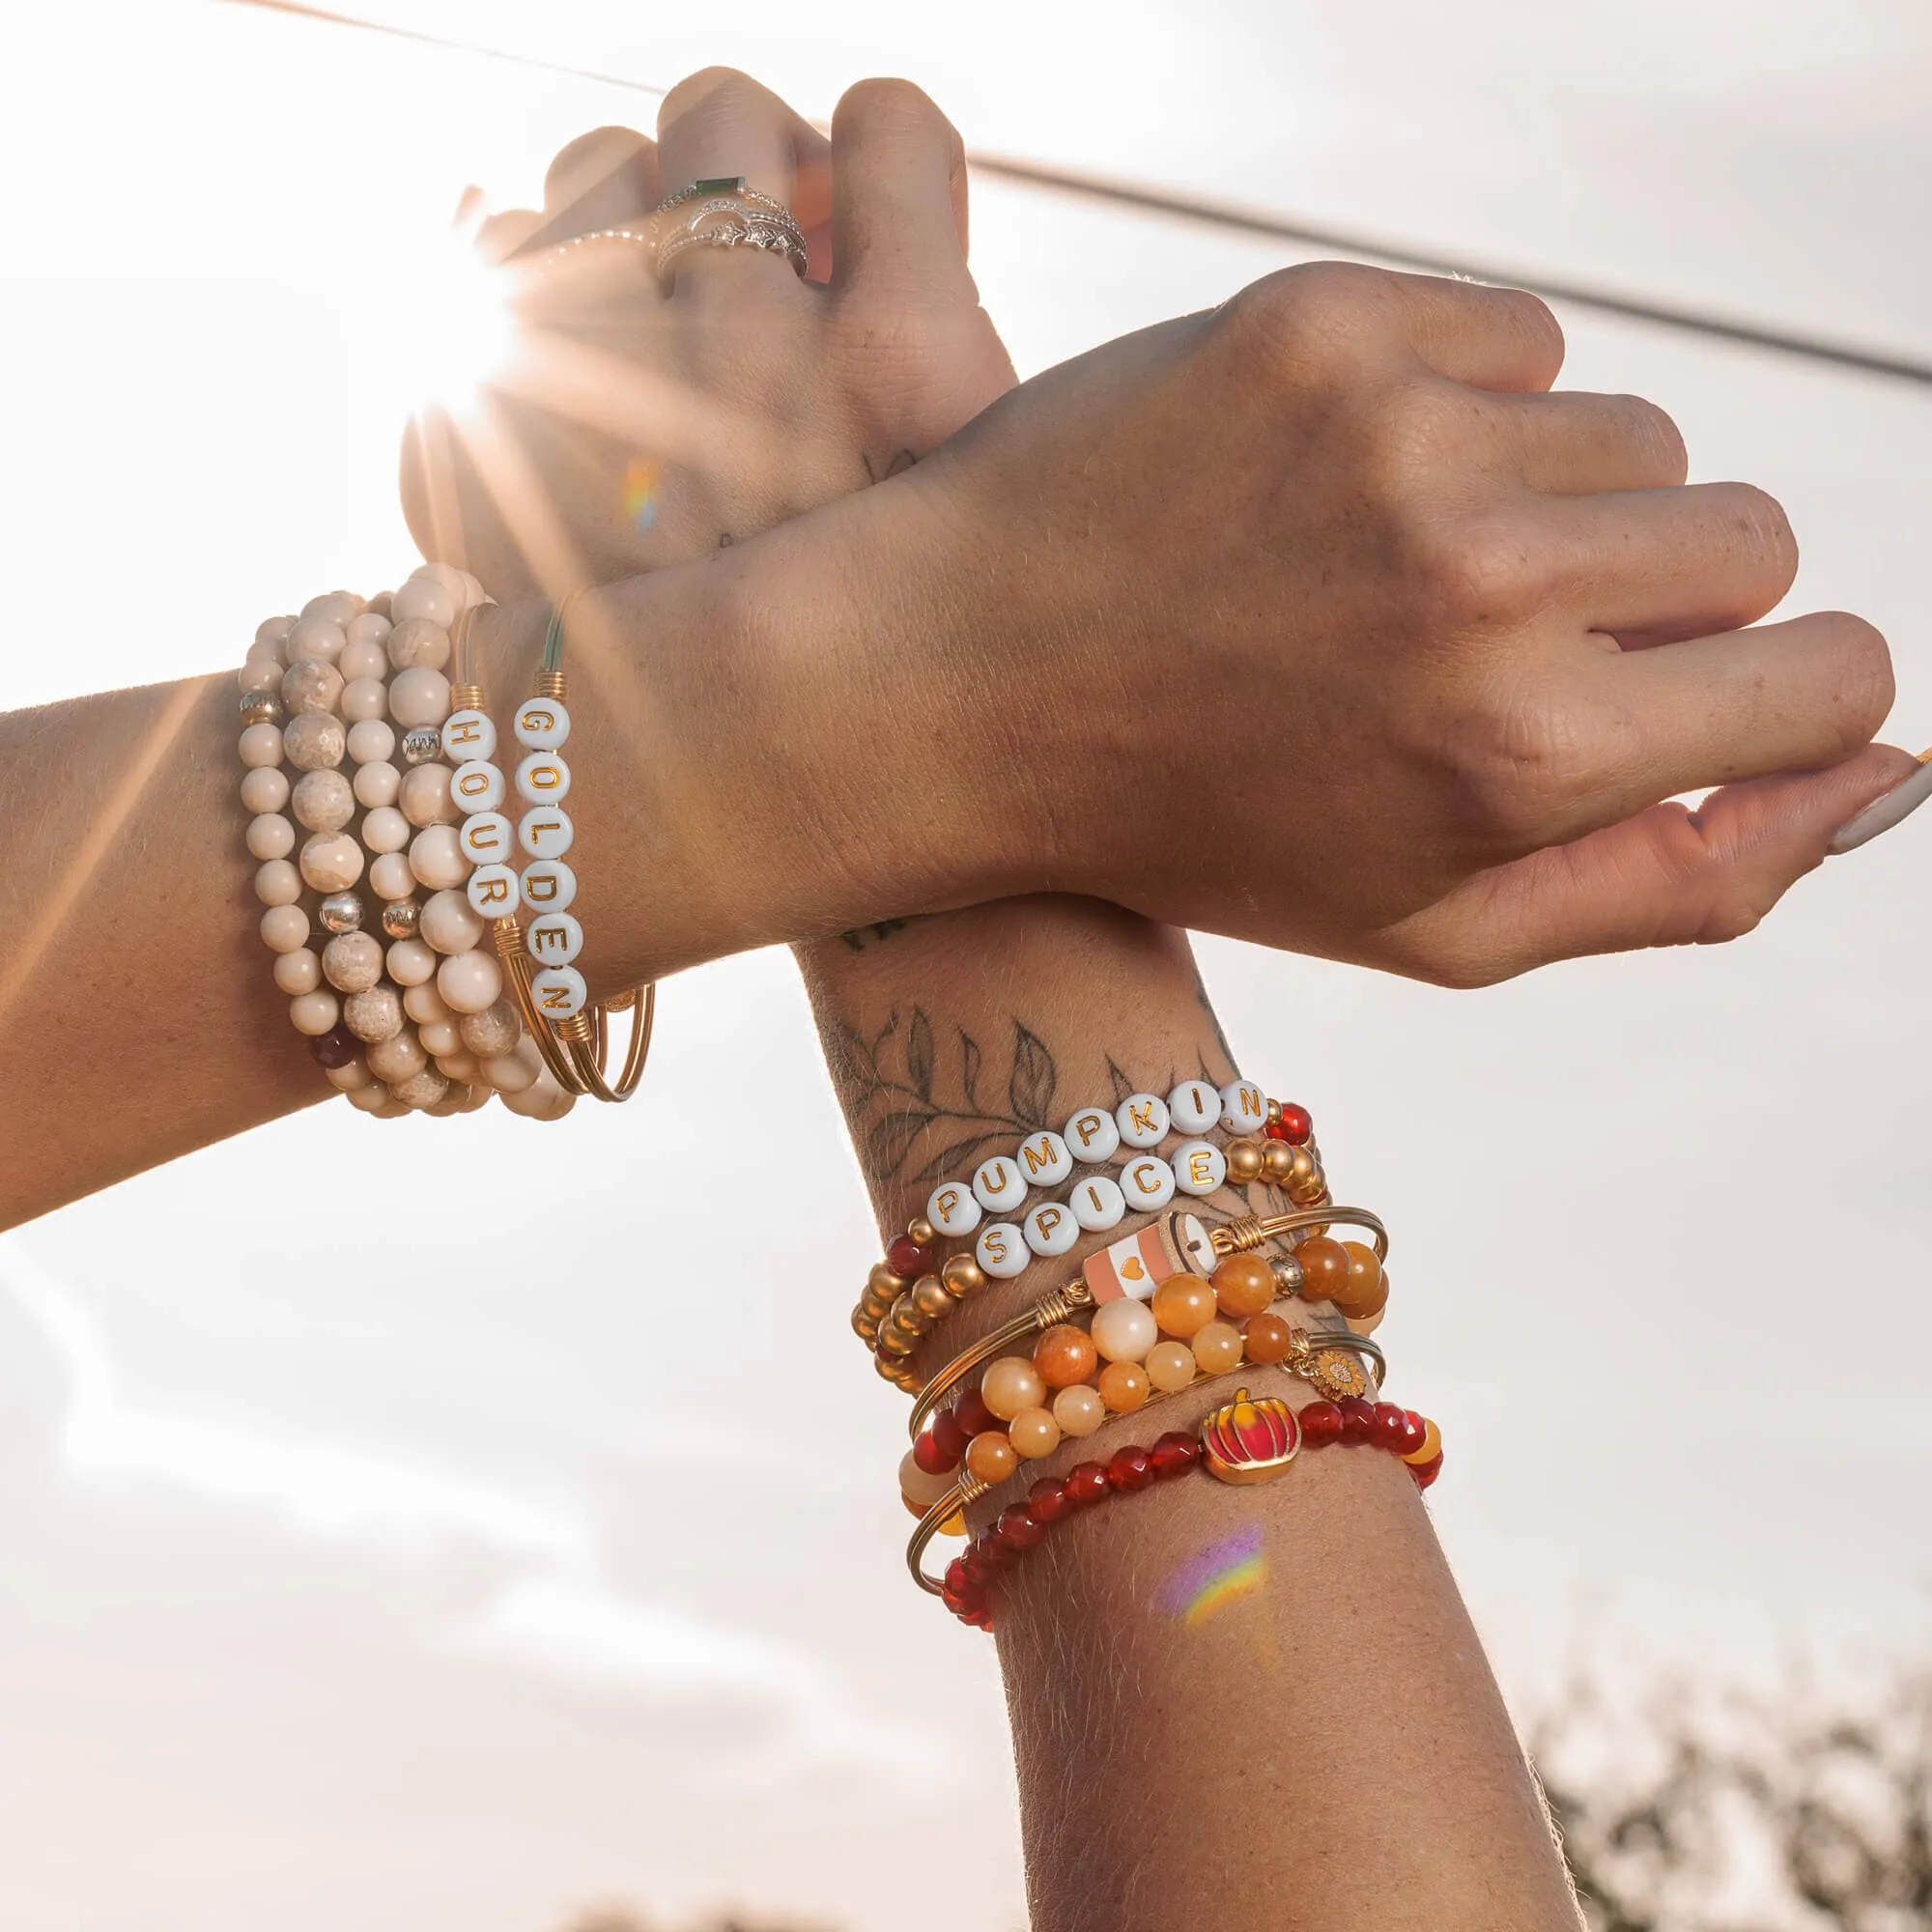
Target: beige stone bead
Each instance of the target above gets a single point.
(511, 1072)
(418, 696)
(397, 1057)
(425, 796)
(449, 923)
(375, 1014)
(361, 662)
(417, 641)
(470, 982)
(496, 1030)
(385, 830)
(315, 641)
(339, 607)
(322, 801)
(378, 785)
(411, 964)
(269, 835)
(265, 788)
(543, 1099)
(363, 700)
(349, 1077)
(367, 629)
(315, 1012)
(272, 633)
(261, 670)
(390, 877)
(311, 686)
(372, 741)
(284, 928)
(332, 862)
(351, 962)
(261, 746)
(439, 1037)
(297, 972)
(457, 1065)
(480, 1093)
(420, 1000)
(436, 857)
(370, 1097)
(420, 1090)
(314, 741)
(277, 883)
(426, 598)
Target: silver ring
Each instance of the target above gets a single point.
(732, 185)
(724, 213)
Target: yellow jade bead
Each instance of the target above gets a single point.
(991, 1458)
(1011, 1385)
(1217, 1347)
(1123, 1330)
(1124, 1386)
(954, 1524)
(1079, 1411)
(1170, 1366)
(1183, 1304)
(1033, 1434)
(1364, 1293)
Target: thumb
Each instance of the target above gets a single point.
(1669, 876)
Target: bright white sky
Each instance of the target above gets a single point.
(389, 1584)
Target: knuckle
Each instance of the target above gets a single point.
(723, 93)
(1480, 571)
(1307, 313)
(1534, 323)
(1522, 763)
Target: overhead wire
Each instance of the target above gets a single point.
(1232, 217)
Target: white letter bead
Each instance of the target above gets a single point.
(1097, 1203)
(558, 992)
(1200, 1167)
(546, 833)
(478, 786)
(1148, 1184)
(492, 891)
(998, 1184)
(486, 839)
(1044, 1160)
(549, 885)
(544, 778)
(542, 724)
(467, 735)
(1002, 1250)
(1142, 1118)
(1092, 1135)
(1244, 1107)
(953, 1209)
(1194, 1107)
(1050, 1229)
(554, 940)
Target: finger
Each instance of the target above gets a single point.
(721, 124)
(899, 208)
(502, 235)
(1670, 876)
(1572, 444)
(1652, 566)
(606, 179)
(1491, 338)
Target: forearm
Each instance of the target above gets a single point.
(1329, 1751)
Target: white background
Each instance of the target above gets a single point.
(353, 1574)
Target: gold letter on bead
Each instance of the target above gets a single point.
(1143, 1119)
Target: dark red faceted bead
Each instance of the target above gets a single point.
(930, 1452)
(973, 1415)
(1295, 1124)
(949, 1435)
(1047, 1501)
(1358, 1419)
(1427, 1473)
(1391, 1426)
(1016, 1529)
(1321, 1423)
(905, 1256)
(1175, 1453)
(336, 1047)
(1414, 1433)
(956, 1578)
(952, 1600)
(1130, 1468)
(982, 1619)
(1085, 1483)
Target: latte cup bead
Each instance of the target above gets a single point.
(277, 883)
(365, 700)
(313, 741)
(311, 688)
(1244, 1107)
(374, 1014)
(1194, 1106)
(1010, 1384)
(370, 741)
(397, 1057)
(541, 723)
(1092, 1135)
(953, 1209)
(410, 963)
(422, 1002)
(549, 886)
(1000, 1250)
(436, 857)
(419, 700)
(543, 779)
(314, 1013)
(471, 981)
(331, 860)
(468, 734)
(261, 746)
(390, 878)
(1142, 1118)
(417, 643)
(494, 1030)
(556, 992)
(554, 940)
(284, 928)
(1050, 1229)
(1148, 1184)
(546, 833)
(424, 796)
(297, 972)
(1124, 1331)
(351, 962)
(426, 598)
(1079, 1411)
(265, 788)
(269, 835)
(998, 1184)
(315, 640)
(1170, 1366)
(449, 923)
(492, 890)
(477, 786)
(1200, 1167)
(322, 801)
(1097, 1202)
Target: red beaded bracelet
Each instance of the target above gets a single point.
(1243, 1441)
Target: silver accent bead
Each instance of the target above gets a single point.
(342, 911)
(400, 919)
(1287, 1275)
(262, 707)
(421, 743)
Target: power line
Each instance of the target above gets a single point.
(1230, 217)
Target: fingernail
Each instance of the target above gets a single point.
(1885, 810)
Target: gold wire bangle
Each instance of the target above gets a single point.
(1252, 1231)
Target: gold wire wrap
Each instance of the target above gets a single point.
(1254, 1230)
(1041, 1315)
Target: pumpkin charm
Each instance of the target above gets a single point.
(1250, 1441)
